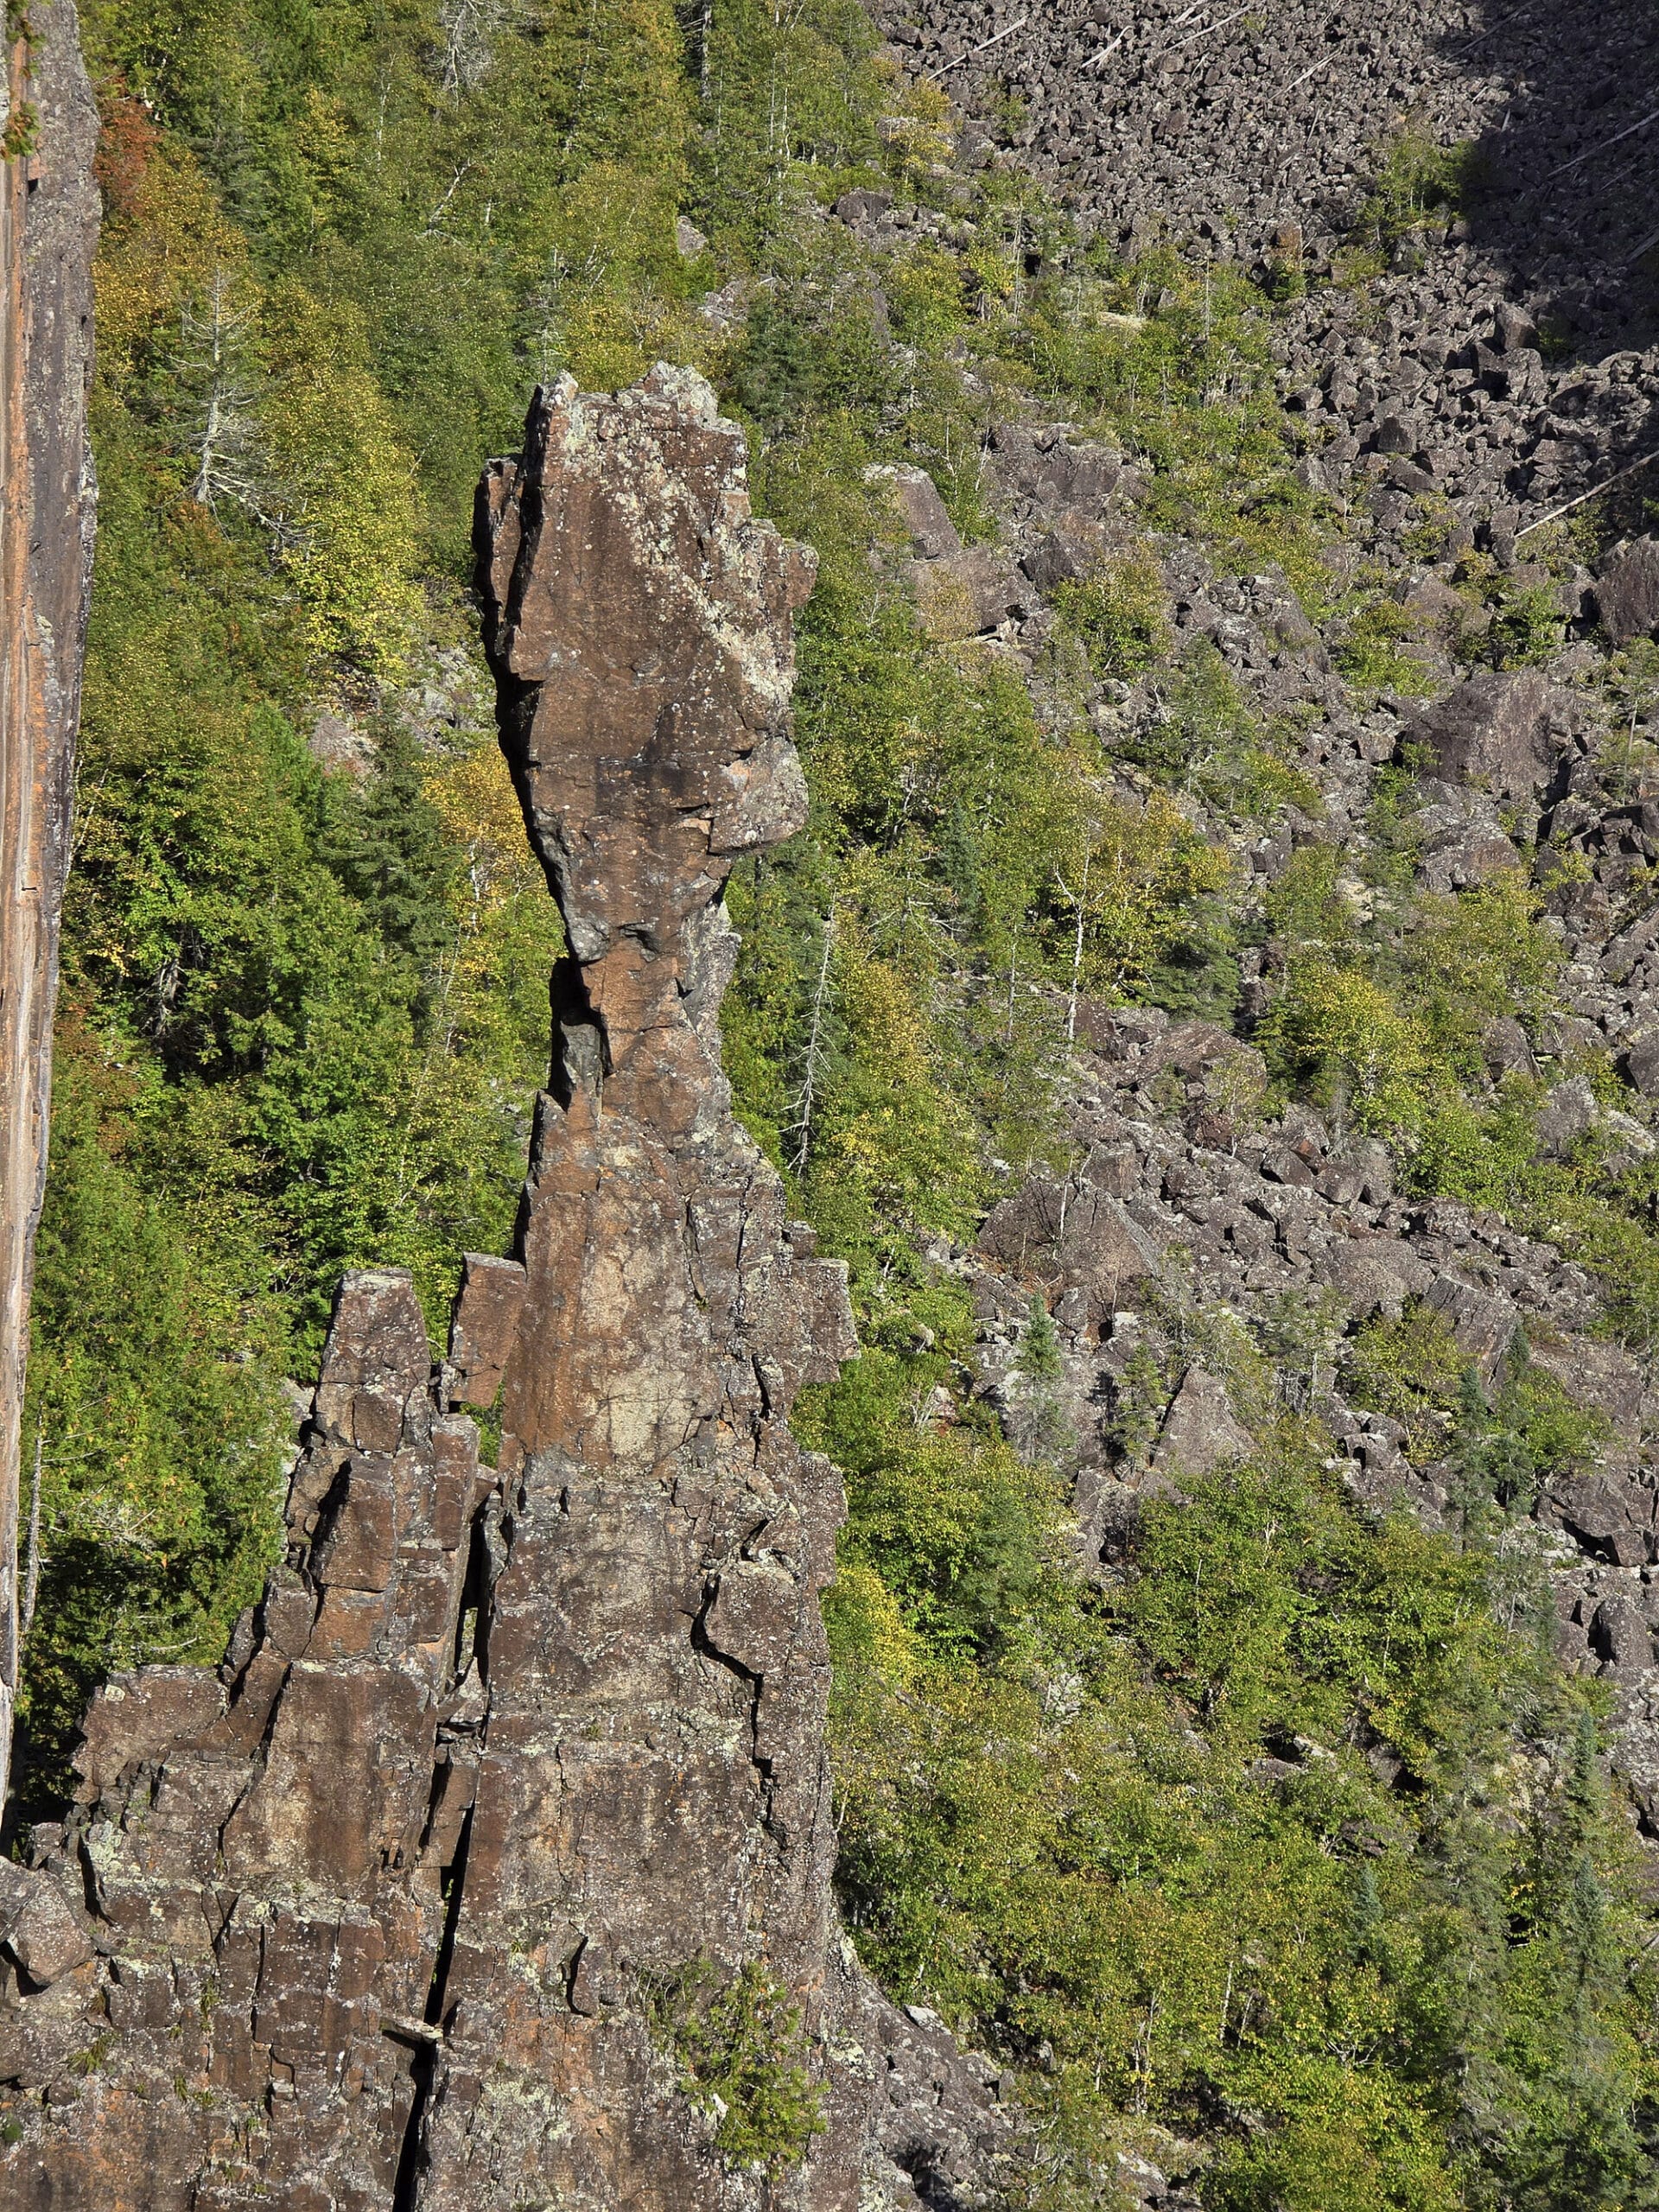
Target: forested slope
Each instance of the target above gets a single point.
(1262, 1837)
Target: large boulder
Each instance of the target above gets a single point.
(915, 502)
(1606, 1511)
(1620, 1637)
(961, 594)
(1483, 1323)
(1567, 1113)
(39, 1927)
(1504, 731)
(1374, 1275)
(1642, 1064)
(1627, 596)
(1074, 1236)
(1594, 1374)
(1200, 1430)
(1507, 1049)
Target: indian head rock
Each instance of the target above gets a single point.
(375, 1915)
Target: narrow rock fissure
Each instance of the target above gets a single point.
(452, 1882)
(423, 2070)
(425, 2063)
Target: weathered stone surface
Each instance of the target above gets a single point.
(373, 1917)
(1200, 1430)
(1483, 1323)
(1502, 731)
(1507, 1049)
(1595, 1374)
(1376, 1276)
(48, 218)
(1608, 1514)
(1619, 1636)
(39, 1928)
(1568, 1110)
(961, 594)
(1627, 595)
(256, 1849)
(1072, 1235)
(485, 1327)
(1642, 1064)
(919, 508)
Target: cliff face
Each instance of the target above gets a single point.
(48, 213)
(401, 1906)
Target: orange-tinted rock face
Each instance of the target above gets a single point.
(48, 213)
(371, 1917)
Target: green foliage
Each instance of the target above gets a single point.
(1207, 739)
(1337, 1034)
(1416, 182)
(154, 1443)
(955, 1525)
(305, 1013)
(1175, 365)
(349, 545)
(1411, 1370)
(1391, 1033)
(1374, 656)
(1140, 1839)
(1116, 617)
(742, 2056)
(1527, 630)
(1359, 1975)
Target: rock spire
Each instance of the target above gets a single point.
(391, 1912)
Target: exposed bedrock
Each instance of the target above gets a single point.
(48, 217)
(382, 1913)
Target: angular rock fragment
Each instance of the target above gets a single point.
(916, 500)
(1504, 731)
(1594, 1374)
(40, 1929)
(1627, 594)
(1568, 1112)
(1620, 1637)
(483, 1328)
(1201, 1431)
(1483, 1323)
(1073, 1237)
(1608, 1513)
(963, 594)
(1642, 1064)
(1507, 1049)
(1375, 1276)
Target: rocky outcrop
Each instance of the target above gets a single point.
(48, 211)
(403, 1905)
(1505, 731)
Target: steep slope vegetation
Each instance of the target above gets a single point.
(1186, 1010)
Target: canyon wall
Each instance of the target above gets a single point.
(514, 1785)
(49, 215)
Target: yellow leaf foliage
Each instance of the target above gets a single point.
(354, 545)
(157, 255)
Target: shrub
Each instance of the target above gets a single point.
(1116, 617)
(1415, 181)
(1341, 1037)
(1373, 655)
(741, 2055)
